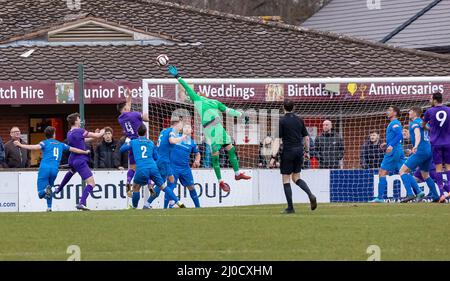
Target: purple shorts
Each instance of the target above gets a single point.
(131, 160)
(441, 154)
(81, 167)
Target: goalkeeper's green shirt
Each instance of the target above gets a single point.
(207, 108)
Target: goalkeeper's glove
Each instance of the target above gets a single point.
(173, 71)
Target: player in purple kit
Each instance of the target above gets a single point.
(78, 163)
(418, 176)
(437, 120)
(130, 121)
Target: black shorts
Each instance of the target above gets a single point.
(291, 161)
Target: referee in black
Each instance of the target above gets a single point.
(294, 135)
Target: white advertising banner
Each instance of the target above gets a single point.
(271, 187)
(210, 195)
(18, 191)
(110, 192)
(390, 186)
(9, 192)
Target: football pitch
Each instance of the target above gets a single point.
(332, 232)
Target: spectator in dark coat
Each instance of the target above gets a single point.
(123, 156)
(329, 147)
(16, 157)
(107, 154)
(371, 152)
(65, 157)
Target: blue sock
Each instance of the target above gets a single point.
(194, 197)
(432, 188)
(170, 195)
(166, 200)
(151, 198)
(135, 198)
(415, 186)
(49, 202)
(382, 186)
(407, 183)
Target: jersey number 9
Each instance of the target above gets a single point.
(441, 116)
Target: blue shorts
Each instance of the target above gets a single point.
(46, 176)
(142, 176)
(165, 169)
(421, 160)
(393, 161)
(184, 175)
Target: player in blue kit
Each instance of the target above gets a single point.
(52, 151)
(420, 157)
(394, 157)
(180, 159)
(166, 141)
(146, 156)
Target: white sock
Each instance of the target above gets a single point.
(146, 204)
(237, 173)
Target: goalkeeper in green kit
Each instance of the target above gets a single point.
(211, 116)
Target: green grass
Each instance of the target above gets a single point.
(332, 232)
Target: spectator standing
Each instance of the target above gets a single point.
(268, 150)
(329, 147)
(107, 153)
(371, 152)
(16, 157)
(123, 156)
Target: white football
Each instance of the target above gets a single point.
(162, 60)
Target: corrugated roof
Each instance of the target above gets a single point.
(354, 18)
(429, 31)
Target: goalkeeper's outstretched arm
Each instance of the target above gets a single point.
(227, 110)
(191, 93)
